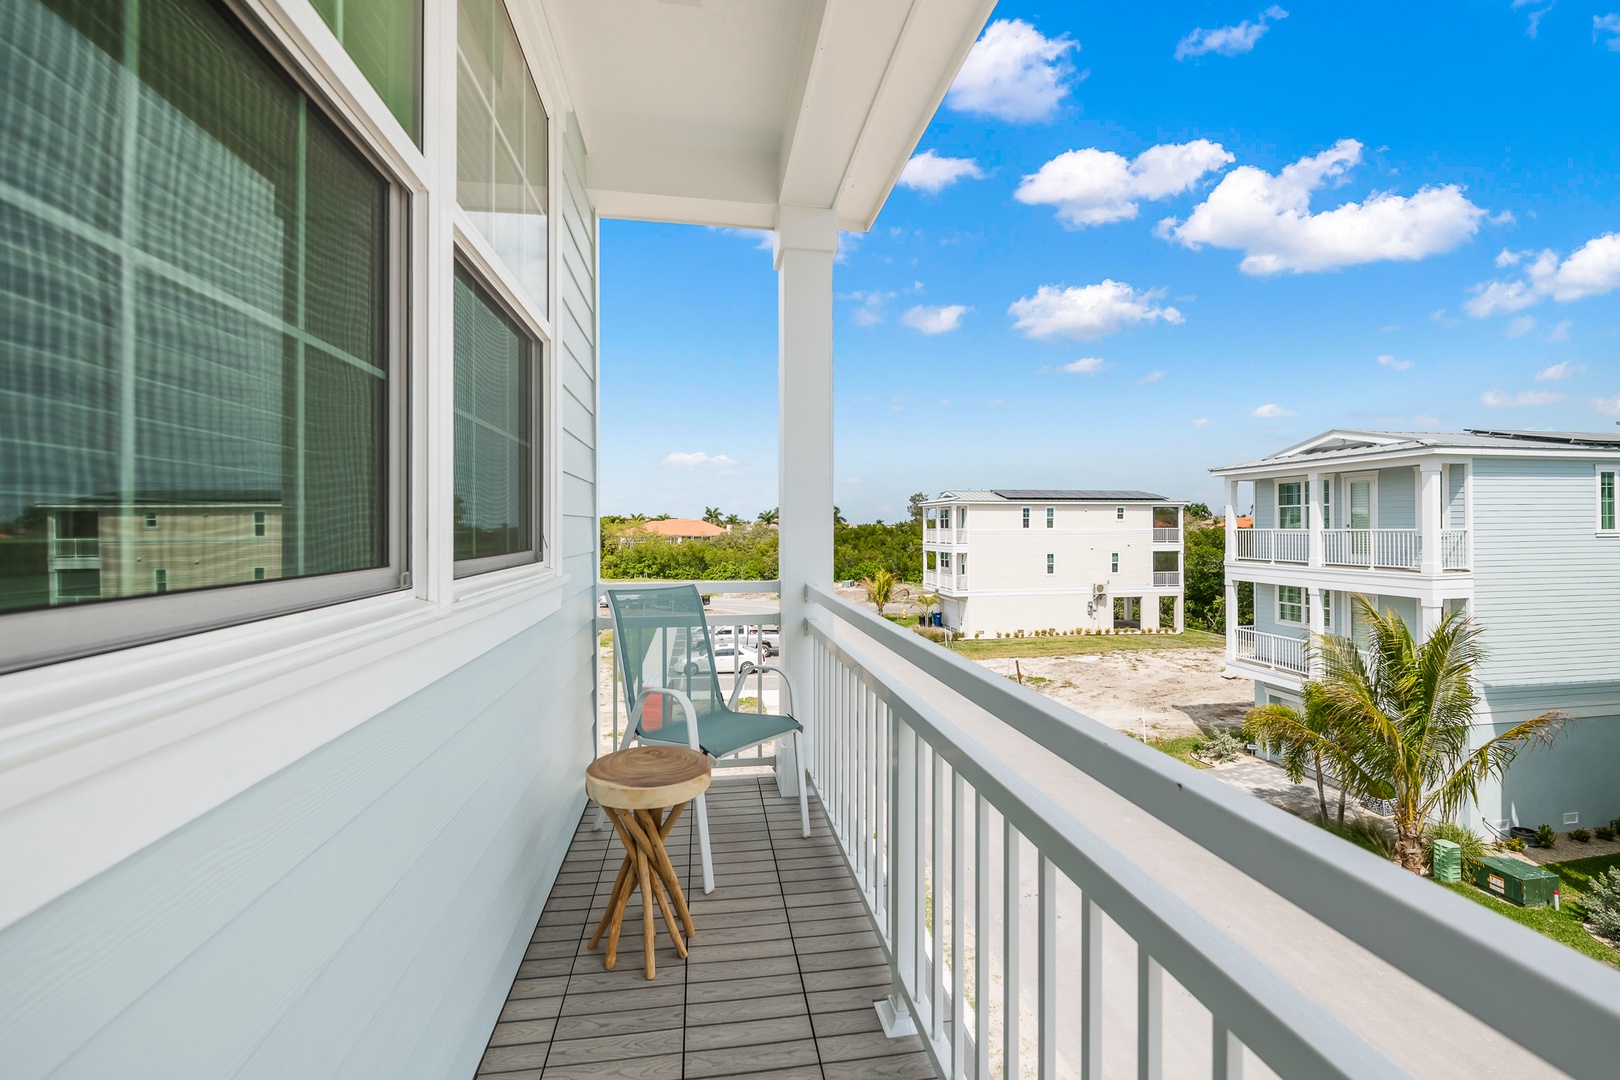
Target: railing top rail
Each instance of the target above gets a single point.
(1427, 933)
(771, 586)
(1290, 1031)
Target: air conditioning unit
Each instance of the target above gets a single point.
(1099, 589)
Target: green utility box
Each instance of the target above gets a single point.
(1516, 882)
(1447, 861)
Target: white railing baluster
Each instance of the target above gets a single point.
(919, 850)
(1046, 971)
(981, 937)
(1226, 1053)
(863, 760)
(1011, 891)
(936, 922)
(958, 937)
(1091, 970)
(1149, 1016)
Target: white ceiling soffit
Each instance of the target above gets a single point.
(715, 112)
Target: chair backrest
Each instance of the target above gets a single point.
(662, 639)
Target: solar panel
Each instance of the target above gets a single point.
(1077, 495)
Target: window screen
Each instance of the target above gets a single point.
(385, 39)
(193, 318)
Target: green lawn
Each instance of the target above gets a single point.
(903, 620)
(988, 648)
(1181, 748)
(1565, 925)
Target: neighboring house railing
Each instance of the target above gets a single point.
(905, 787)
(1273, 545)
(1166, 536)
(1454, 549)
(76, 547)
(1276, 651)
(1382, 549)
(1167, 577)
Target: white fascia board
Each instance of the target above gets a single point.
(682, 184)
(1266, 469)
(1450, 585)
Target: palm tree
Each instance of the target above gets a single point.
(712, 515)
(768, 517)
(1280, 726)
(879, 588)
(732, 521)
(1397, 717)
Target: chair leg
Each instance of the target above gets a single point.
(601, 820)
(804, 781)
(703, 844)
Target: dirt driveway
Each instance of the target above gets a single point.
(1177, 691)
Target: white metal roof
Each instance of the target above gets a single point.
(1345, 444)
(1003, 495)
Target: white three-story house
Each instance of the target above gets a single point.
(1516, 529)
(1059, 560)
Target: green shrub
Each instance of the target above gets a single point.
(1615, 825)
(1545, 836)
(932, 633)
(1604, 832)
(1368, 833)
(1580, 835)
(1602, 903)
(1514, 843)
(1472, 844)
(1220, 747)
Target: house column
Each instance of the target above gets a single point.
(1231, 518)
(1318, 627)
(1231, 615)
(806, 241)
(1430, 489)
(1429, 615)
(1313, 516)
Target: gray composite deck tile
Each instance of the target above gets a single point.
(748, 1037)
(612, 1019)
(848, 998)
(615, 1047)
(512, 1058)
(514, 1032)
(650, 995)
(863, 939)
(736, 989)
(533, 988)
(742, 969)
(746, 1010)
(763, 1058)
(531, 1009)
(845, 979)
(805, 927)
(813, 961)
(902, 1067)
(860, 1021)
(714, 952)
(551, 949)
(865, 1045)
(660, 1067)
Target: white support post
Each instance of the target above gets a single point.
(806, 241)
(1231, 519)
(1429, 615)
(1430, 504)
(1231, 615)
(1318, 627)
(1313, 517)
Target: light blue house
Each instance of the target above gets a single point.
(1516, 528)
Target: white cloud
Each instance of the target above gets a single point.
(1269, 218)
(1560, 332)
(764, 239)
(1151, 377)
(1013, 72)
(1229, 40)
(1088, 365)
(1498, 400)
(1095, 187)
(1593, 269)
(1559, 372)
(1536, 15)
(1269, 410)
(1521, 326)
(1088, 311)
(1608, 25)
(929, 172)
(698, 460)
(869, 310)
(1610, 405)
(1394, 364)
(935, 320)
(1202, 421)
(945, 401)
(995, 403)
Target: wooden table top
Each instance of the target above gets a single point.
(645, 777)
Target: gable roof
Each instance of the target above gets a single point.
(1112, 495)
(685, 528)
(1354, 443)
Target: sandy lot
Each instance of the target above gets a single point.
(1175, 691)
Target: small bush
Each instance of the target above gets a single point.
(1602, 903)
(1615, 825)
(1365, 833)
(1580, 836)
(1472, 844)
(1220, 747)
(1514, 843)
(1604, 832)
(1545, 836)
(932, 633)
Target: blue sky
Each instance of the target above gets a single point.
(1144, 241)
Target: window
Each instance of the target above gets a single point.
(961, 564)
(151, 521)
(1606, 501)
(1119, 513)
(501, 150)
(1327, 503)
(1327, 611)
(1051, 564)
(1026, 517)
(1113, 562)
(497, 390)
(944, 560)
(1290, 604)
(259, 520)
(961, 517)
(216, 333)
(1051, 517)
(258, 573)
(385, 39)
(1291, 505)
(160, 581)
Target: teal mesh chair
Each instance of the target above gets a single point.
(666, 659)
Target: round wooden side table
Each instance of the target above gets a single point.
(633, 787)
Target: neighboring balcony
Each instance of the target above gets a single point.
(1166, 536)
(1277, 652)
(1167, 578)
(75, 553)
(1365, 549)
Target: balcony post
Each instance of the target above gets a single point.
(1231, 616)
(805, 242)
(1429, 509)
(1318, 627)
(1231, 519)
(1313, 517)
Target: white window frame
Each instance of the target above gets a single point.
(1119, 513)
(1303, 506)
(1599, 471)
(1371, 480)
(1051, 564)
(150, 521)
(1051, 517)
(1113, 562)
(1304, 606)
(961, 517)
(944, 560)
(1026, 517)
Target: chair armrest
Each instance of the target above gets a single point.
(681, 699)
(748, 668)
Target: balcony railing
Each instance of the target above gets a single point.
(1275, 651)
(1166, 536)
(76, 547)
(1273, 545)
(1167, 577)
(1380, 549)
(939, 828)
(1454, 549)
